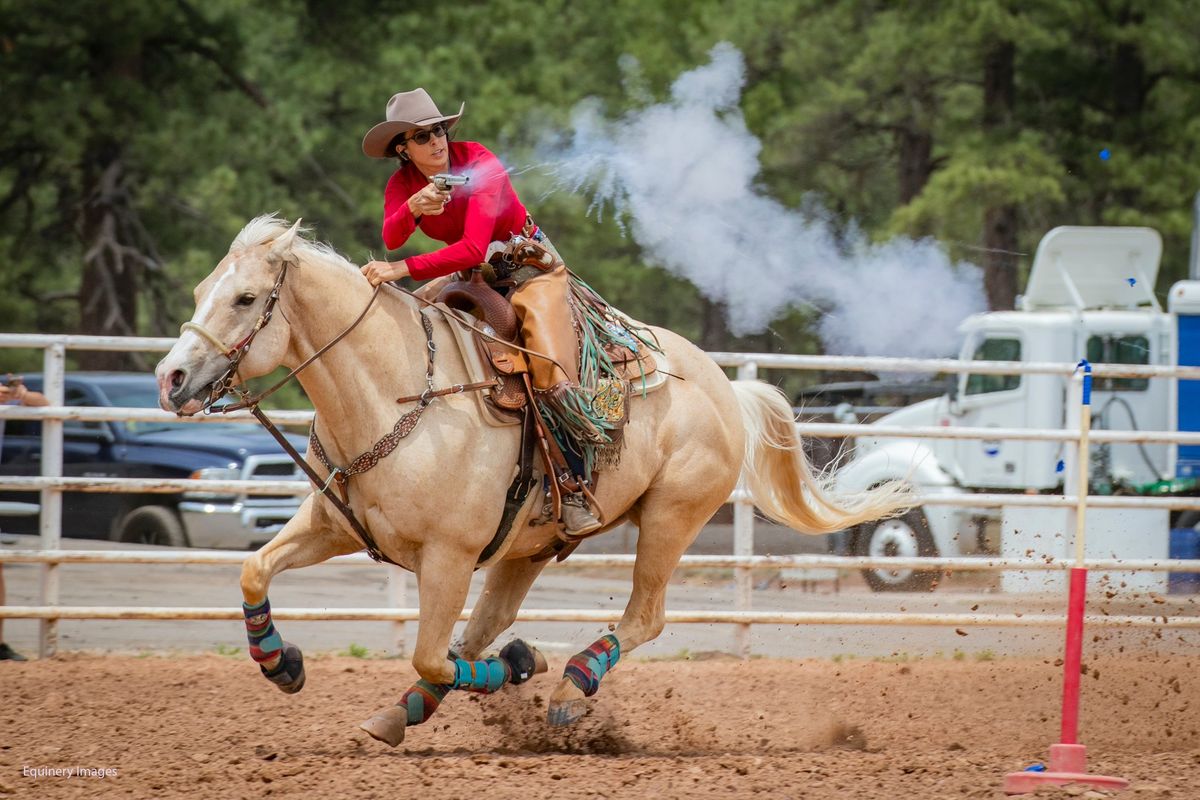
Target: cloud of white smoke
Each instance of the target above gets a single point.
(682, 174)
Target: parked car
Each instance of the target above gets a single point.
(169, 450)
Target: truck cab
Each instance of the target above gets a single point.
(1090, 295)
(168, 450)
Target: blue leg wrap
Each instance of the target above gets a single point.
(484, 677)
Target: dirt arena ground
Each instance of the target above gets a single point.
(209, 726)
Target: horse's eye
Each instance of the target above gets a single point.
(245, 299)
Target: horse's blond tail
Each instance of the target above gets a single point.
(783, 484)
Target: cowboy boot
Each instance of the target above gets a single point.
(574, 512)
(577, 518)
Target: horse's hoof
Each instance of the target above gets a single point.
(288, 674)
(388, 726)
(523, 660)
(566, 712)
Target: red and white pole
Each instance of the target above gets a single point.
(1068, 758)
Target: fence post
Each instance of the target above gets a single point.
(1083, 463)
(398, 598)
(743, 544)
(1076, 459)
(50, 528)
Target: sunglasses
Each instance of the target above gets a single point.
(423, 137)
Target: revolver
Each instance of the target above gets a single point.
(444, 181)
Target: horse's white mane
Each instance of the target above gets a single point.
(263, 229)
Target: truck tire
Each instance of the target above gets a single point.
(905, 536)
(153, 525)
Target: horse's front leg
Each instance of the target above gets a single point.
(503, 592)
(308, 538)
(444, 577)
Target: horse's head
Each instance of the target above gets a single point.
(230, 303)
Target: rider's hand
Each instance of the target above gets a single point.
(19, 394)
(429, 202)
(378, 272)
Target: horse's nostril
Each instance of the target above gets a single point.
(177, 378)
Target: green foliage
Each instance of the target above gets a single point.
(220, 111)
(1020, 172)
(356, 651)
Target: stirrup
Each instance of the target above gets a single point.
(578, 520)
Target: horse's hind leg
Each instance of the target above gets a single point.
(667, 523)
(307, 539)
(506, 585)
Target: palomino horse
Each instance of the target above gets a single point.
(433, 504)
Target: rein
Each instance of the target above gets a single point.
(403, 427)
(226, 383)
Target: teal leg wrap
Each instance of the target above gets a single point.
(484, 677)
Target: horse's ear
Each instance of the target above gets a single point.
(281, 248)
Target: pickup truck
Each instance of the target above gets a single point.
(215, 451)
(1090, 295)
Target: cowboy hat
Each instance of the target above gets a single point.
(405, 111)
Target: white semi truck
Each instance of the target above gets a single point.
(1090, 295)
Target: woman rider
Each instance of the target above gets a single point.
(484, 210)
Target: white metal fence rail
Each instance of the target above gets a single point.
(51, 484)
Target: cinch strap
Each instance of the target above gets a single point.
(586, 668)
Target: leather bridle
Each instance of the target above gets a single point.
(226, 383)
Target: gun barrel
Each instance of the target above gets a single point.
(445, 180)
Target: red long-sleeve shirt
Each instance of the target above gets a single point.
(483, 211)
